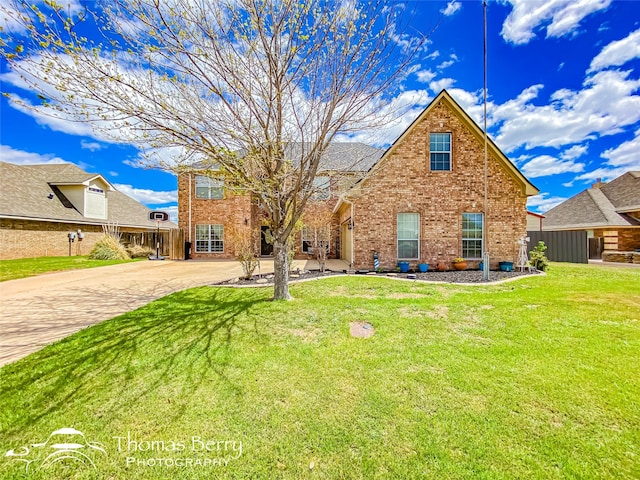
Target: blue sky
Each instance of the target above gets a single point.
(564, 96)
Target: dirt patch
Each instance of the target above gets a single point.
(361, 329)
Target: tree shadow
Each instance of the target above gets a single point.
(182, 340)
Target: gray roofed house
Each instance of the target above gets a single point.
(609, 212)
(428, 187)
(41, 204)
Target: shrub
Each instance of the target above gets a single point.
(245, 242)
(138, 251)
(537, 257)
(109, 248)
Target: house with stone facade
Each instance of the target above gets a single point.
(420, 200)
(40, 205)
(609, 213)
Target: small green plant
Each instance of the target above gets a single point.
(537, 257)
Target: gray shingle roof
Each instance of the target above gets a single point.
(340, 156)
(343, 156)
(25, 191)
(598, 207)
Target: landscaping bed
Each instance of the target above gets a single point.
(453, 276)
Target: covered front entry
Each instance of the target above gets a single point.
(346, 242)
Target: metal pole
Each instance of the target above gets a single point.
(485, 257)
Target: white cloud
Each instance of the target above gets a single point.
(543, 203)
(93, 146)
(452, 7)
(558, 17)
(442, 84)
(604, 106)
(425, 76)
(21, 157)
(113, 173)
(574, 152)
(147, 196)
(453, 58)
(617, 53)
(11, 18)
(544, 165)
(626, 154)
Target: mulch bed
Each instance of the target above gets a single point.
(466, 276)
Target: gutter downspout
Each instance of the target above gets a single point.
(353, 227)
(189, 208)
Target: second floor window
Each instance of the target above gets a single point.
(209, 188)
(440, 151)
(321, 187)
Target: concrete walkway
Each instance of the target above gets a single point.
(37, 311)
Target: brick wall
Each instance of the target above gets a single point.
(231, 211)
(619, 239)
(30, 238)
(405, 184)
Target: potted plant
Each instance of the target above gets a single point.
(428, 254)
(459, 263)
(506, 266)
(404, 267)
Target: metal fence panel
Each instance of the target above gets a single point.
(567, 246)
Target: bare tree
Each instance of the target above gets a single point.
(317, 232)
(229, 82)
(246, 248)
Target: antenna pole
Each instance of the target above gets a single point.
(485, 257)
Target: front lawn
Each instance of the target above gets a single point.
(533, 379)
(28, 267)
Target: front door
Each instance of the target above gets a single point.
(346, 253)
(266, 248)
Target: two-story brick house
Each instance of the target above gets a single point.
(420, 200)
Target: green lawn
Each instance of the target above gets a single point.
(28, 267)
(534, 379)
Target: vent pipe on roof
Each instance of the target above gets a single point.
(598, 183)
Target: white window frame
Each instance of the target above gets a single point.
(214, 188)
(210, 244)
(433, 150)
(399, 239)
(474, 238)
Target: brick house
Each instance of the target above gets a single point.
(420, 200)
(609, 213)
(41, 204)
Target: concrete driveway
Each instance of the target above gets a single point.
(40, 310)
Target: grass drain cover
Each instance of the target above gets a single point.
(361, 329)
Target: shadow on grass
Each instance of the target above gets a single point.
(177, 342)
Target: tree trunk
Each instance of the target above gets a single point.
(281, 271)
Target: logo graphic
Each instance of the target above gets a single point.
(66, 445)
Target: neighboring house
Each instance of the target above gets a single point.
(420, 200)
(534, 221)
(608, 212)
(41, 204)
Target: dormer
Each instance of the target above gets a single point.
(88, 196)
